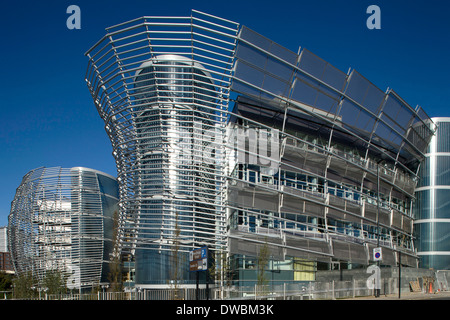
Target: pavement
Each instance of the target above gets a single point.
(442, 295)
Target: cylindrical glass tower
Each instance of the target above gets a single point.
(162, 91)
(175, 102)
(432, 208)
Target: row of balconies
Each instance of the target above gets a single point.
(258, 199)
(315, 158)
(316, 245)
(294, 200)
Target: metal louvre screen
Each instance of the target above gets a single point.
(162, 86)
(57, 223)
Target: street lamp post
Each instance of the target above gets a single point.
(377, 288)
(399, 274)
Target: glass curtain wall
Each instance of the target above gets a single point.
(432, 208)
(175, 101)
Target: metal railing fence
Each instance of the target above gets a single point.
(288, 291)
(308, 290)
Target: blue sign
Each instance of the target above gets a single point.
(198, 259)
(377, 254)
(204, 252)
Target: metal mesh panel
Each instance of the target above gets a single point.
(350, 252)
(361, 116)
(365, 93)
(322, 70)
(330, 92)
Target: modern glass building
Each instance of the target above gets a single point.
(62, 220)
(432, 208)
(225, 139)
(5, 257)
(164, 102)
(3, 239)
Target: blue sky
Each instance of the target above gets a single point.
(48, 117)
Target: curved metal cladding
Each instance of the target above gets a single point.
(432, 224)
(161, 84)
(223, 138)
(62, 219)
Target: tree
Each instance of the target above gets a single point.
(175, 263)
(25, 286)
(263, 259)
(55, 282)
(5, 281)
(220, 269)
(115, 265)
